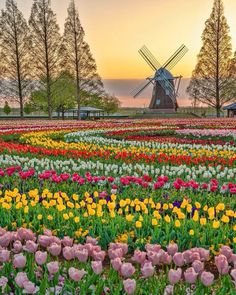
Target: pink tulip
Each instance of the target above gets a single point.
(97, 267)
(233, 260)
(172, 248)
(195, 256)
(139, 256)
(54, 249)
(21, 278)
(4, 255)
(233, 274)
(76, 274)
(41, 257)
(115, 253)
(174, 276)
(30, 288)
(127, 270)
(90, 240)
(169, 290)
(3, 282)
(154, 257)
(116, 263)
(82, 255)
(205, 254)
(152, 247)
(45, 240)
(30, 246)
(190, 275)
(53, 267)
(207, 278)
(47, 232)
(226, 251)
(67, 241)
(17, 247)
(2, 231)
(19, 261)
(222, 264)
(147, 270)
(99, 256)
(186, 255)
(178, 259)
(69, 253)
(5, 239)
(198, 266)
(124, 247)
(129, 286)
(25, 234)
(166, 258)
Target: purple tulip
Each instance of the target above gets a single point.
(30, 246)
(21, 278)
(76, 274)
(147, 270)
(233, 274)
(127, 270)
(222, 264)
(53, 267)
(207, 278)
(178, 259)
(54, 249)
(190, 275)
(19, 261)
(116, 263)
(198, 266)
(82, 255)
(174, 276)
(4, 255)
(41, 257)
(172, 248)
(68, 253)
(97, 267)
(129, 286)
(30, 288)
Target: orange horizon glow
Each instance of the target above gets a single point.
(115, 30)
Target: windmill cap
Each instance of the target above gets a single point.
(163, 72)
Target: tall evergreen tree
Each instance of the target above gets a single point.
(14, 54)
(212, 82)
(46, 43)
(78, 59)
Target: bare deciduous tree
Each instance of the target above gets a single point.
(78, 59)
(212, 82)
(46, 44)
(14, 55)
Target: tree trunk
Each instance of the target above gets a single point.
(76, 65)
(218, 66)
(48, 78)
(18, 70)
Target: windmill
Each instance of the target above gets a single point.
(165, 85)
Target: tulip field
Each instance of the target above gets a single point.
(118, 207)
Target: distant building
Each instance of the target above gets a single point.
(231, 110)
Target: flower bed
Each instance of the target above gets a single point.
(118, 207)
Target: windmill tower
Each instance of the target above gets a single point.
(165, 85)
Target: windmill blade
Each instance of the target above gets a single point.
(175, 58)
(138, 90)
(147, 53)
(147, 60)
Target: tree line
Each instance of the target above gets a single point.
(42, 70)
(213, 81)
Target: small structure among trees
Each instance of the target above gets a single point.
(231, 110)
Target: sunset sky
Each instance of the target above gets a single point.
(115, 30)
